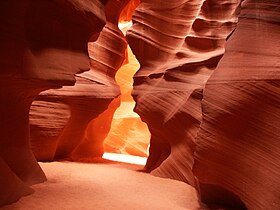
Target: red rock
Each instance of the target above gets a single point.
(178, 44)
(43, 44)
(12, 188)
(128, 134)
(128, 10)
(238, 143)
(93, 92)
(47, 121)
(97, 130)
(220, 135)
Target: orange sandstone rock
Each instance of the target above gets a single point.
(43, 44)
(238, 145)
(83, 103)
(178, 45)
(128, 134)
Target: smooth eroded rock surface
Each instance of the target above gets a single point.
(80, 130)
(178, 45)
(43, 44)
(128, 134)
(238, 145)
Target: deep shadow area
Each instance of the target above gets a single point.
(217, 197)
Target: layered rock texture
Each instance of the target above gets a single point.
(128, 134)
(178, 45)
(236, 147)
(66, 121)
(43, 44)
(128, 10)
(207, 87)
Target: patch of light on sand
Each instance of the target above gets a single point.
(125, 158)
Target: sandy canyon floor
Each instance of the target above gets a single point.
(106, 186)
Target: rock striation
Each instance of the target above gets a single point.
(178, 45)
(207, 87)
(128, 10)
(232, 157)
(238, 145)
(78, 131)
(128, 134)
(43, 44)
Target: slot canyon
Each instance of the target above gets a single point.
(140, 104)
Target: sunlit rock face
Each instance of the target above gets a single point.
(128, 134)
(128, 10)
(178, 44)
(73, 122)
(79, 130)
(238, 145)
(43, 44)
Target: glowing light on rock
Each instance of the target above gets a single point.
(125, 158)
(128, 134)
(123, 26)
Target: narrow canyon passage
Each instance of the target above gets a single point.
(93, 93)
(111, 184)
(128, 134)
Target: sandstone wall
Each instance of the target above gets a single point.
(43, 44)
(238, 145)
(66, 122)
(178, 44)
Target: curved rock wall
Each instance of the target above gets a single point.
(222, 138)
(43, 44)
(128, 134)
(80, 105)
(178, 44)
(128, 10)
(238, 145)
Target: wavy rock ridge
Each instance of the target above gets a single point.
(128, 134)
(80, 131)
(43, 44)
(238, 142)
(176, 61)
(214, 119)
